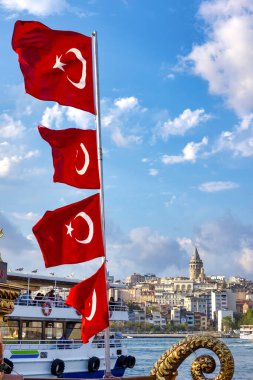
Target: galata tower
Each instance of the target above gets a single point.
(195, 266)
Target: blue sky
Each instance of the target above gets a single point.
(176, 88)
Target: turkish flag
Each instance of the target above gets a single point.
(56, 65)
(90, 300)
(75, 156)
(71, 234)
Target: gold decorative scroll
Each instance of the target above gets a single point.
(166, 367)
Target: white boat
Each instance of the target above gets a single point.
(42, 337)
(246, 332)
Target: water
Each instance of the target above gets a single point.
(148, 350)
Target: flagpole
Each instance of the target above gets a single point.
(100, 163)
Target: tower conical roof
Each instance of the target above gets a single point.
(195, 256)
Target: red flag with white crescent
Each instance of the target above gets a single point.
(75, 156)
(90, 300)
(56, 65)
(71, 234)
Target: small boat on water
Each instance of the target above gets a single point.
(246, 332)
(42, 336)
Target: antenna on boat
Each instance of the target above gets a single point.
(1, 235)
(100, 159)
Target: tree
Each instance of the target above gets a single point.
(247, 318)
(227, 323)
(133, 306)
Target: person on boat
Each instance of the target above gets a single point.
(59, 302)
(111, 301)
(50, 295)
(25, 298)
(38, 299)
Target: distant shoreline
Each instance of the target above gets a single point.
(179, 335)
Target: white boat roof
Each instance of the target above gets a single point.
(37, 281)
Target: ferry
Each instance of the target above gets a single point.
(246, 332)
(42, 336)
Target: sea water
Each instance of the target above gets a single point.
(148, 350)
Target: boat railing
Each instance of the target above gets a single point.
(114, 343)
(61, 304)
(40, 303)
(117, 307)
(61, 344)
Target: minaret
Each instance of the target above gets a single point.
(195, 266)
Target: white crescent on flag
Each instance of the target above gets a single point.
(88, 220)
(86, 160)
(93, 306)
(59, 65)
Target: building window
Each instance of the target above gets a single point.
(53, 330)
(32, 330)
(10, 330)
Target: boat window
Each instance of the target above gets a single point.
(32, 330)
(53, 330)
(10, 330)
(73, 330)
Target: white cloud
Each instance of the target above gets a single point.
(240, 140)
(122, 118)
(8, 160)
(125, 104)
(31, 154)
(10, 128)
(246, 260)
(5, 165)
(38, 8)
(81, 119)
(52, 116)
(124, 141)
(211, 187)
(25, 216)
(170, 201)
(143, 249)
(121, 106)
(153, 172)
(181, 124)
(186, 244)
(189, 153)
(226, 245)
(225, 59)
(122, 113)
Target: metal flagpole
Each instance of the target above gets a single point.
(100, 159)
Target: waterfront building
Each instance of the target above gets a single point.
(196, 266)
(222, 300)
(221, 314)
(200, 321)
(137, 316)
(196, 304)
(169, 298)
(231, 300)
(186, 317)
(134, 279)
(183, 285)
(164, 287)
(156, 319)
(219, 302)
(151, 277)
(205, 286)
(176, 315)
